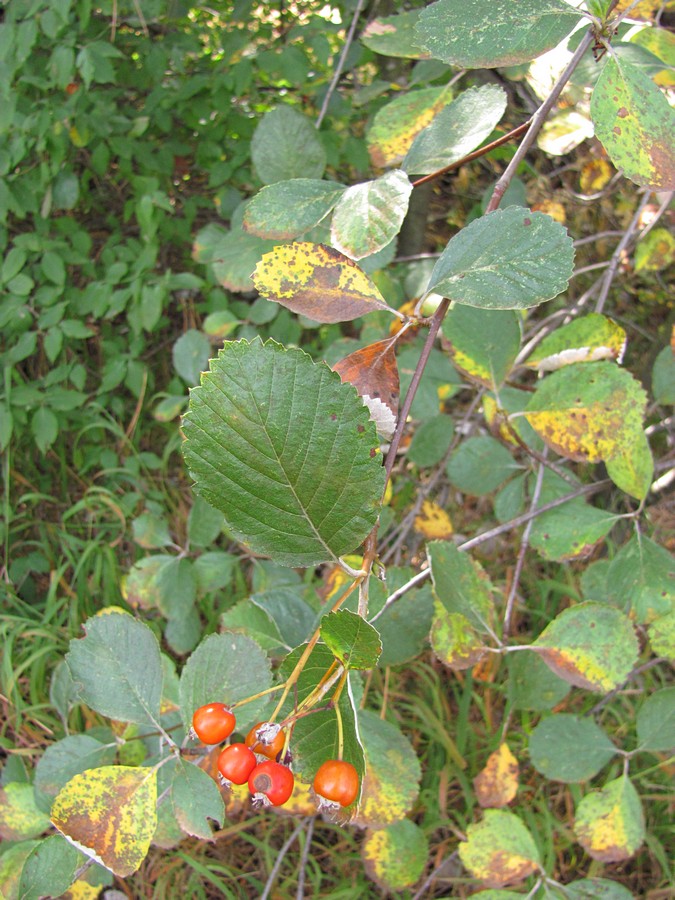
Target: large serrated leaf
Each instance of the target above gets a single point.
(286, 452)
(636, 125)
(483, 34)
(509, 259)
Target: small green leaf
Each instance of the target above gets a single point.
(596, 889)
(532, 685)
(480, 465)
(45, 428)
(369, 216)
(196, 799)
(118, 669)
(151, 531)
(294, 618)
(65, 759)
(642, 577)
(609, 823)
(404, 626)
(571, 531)
(456, 130)
(394, 857)
(461, 585)
(632, 468)
(485, 34)
(636, 125)
(204, 523)
(288, 209)
(482, 343)
(286, 145)
(232, 255)
(499, 849)
(567, 748)
(50, 869)
(591, 646)
(296, 473)
(394, 35)
(191, 354)
(352, 641)
(508, 259)
(663, 376)
(656, 722)
(662, 636)
(431, 441)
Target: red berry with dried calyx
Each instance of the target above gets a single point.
(266, 739)
(271, 784)
(213, 723)
(336, 783)
(236, 762)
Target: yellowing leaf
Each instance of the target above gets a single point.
(499, 850)
(610, 823)
(656, 252)
(587, 339)
(395, 856)
(595, 175)
(316, 281)
(497, 784)
(661, 43)
(110, 814)
(453, 639)
(20, 818)
(552, 208)
(433, 522)
(397, 124)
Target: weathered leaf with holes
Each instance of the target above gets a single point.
(508, 259)
(110, 814)
(397, 124)
(456, 130)
(636, 125)
(368, 216)
(568, 748)
(318, 282)
(394, 36)
(454, 640)
(590, 645)
(588, 412)
(351, 640)
(496, 784)
(483, 34)
(286, 145)
(118, 668)
(588, 339)
(499, 850)
(609, 823)
(482, 343)
(288, 209)
(461, 585)
(395, 856)
(392, 775)
(286, 452)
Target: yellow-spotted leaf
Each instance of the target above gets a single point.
(497, 784)
(588, 412)
(662, 636)
(595, 174)
(499, 850)
(433, 523)
(395, 856)
(392, 773)
(591, 646)
(655, 252)
(482, 343)
(588, 339)
(316, 281)
(110, 814)
(633, 467)
(609, 823)
(20, 818)
(397, 124)
(661, 43)
(454, 640)
(461, 585)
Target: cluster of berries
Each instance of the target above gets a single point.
(336, 783)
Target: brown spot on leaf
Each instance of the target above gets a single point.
(623, 112)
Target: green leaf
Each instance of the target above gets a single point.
(662, 636)
(609, 823)
(454, 640)
(204, 523)
(395, 857)
(568, 748)
(225, 668)
(456, 130)
(191, 354)
(292, 616)
(232, 255)
(499, 849)
(588, 412)
(214, 570)
(396, 125)
(461, 585)
(20, 817)
(351, 640)
(636, 125)
(45, 428)
(118, 668)
(110, 814)
(508, 259)
(65, 759)
(656, 722)
(196, 799)
(176, 588)
(390, 784)
(151, 531)
(482, 343)
(296, 472)
(247, 618)
(586, 339)
(431, 441)
(65, 190)
(288, 209)
(632, 468)
(403, 626)
(485, 34)
(50, 869)
(394, 36)
(596, 889)
(532, 685)
(318, 282)
(286, 145)
(641, 578)
(571, 531)
(368, 216)
(480, 465)
(590, 645)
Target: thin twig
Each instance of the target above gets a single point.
(608, 277)
(279, 860)
(300, 893)
(341, 62)
(537, 122)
